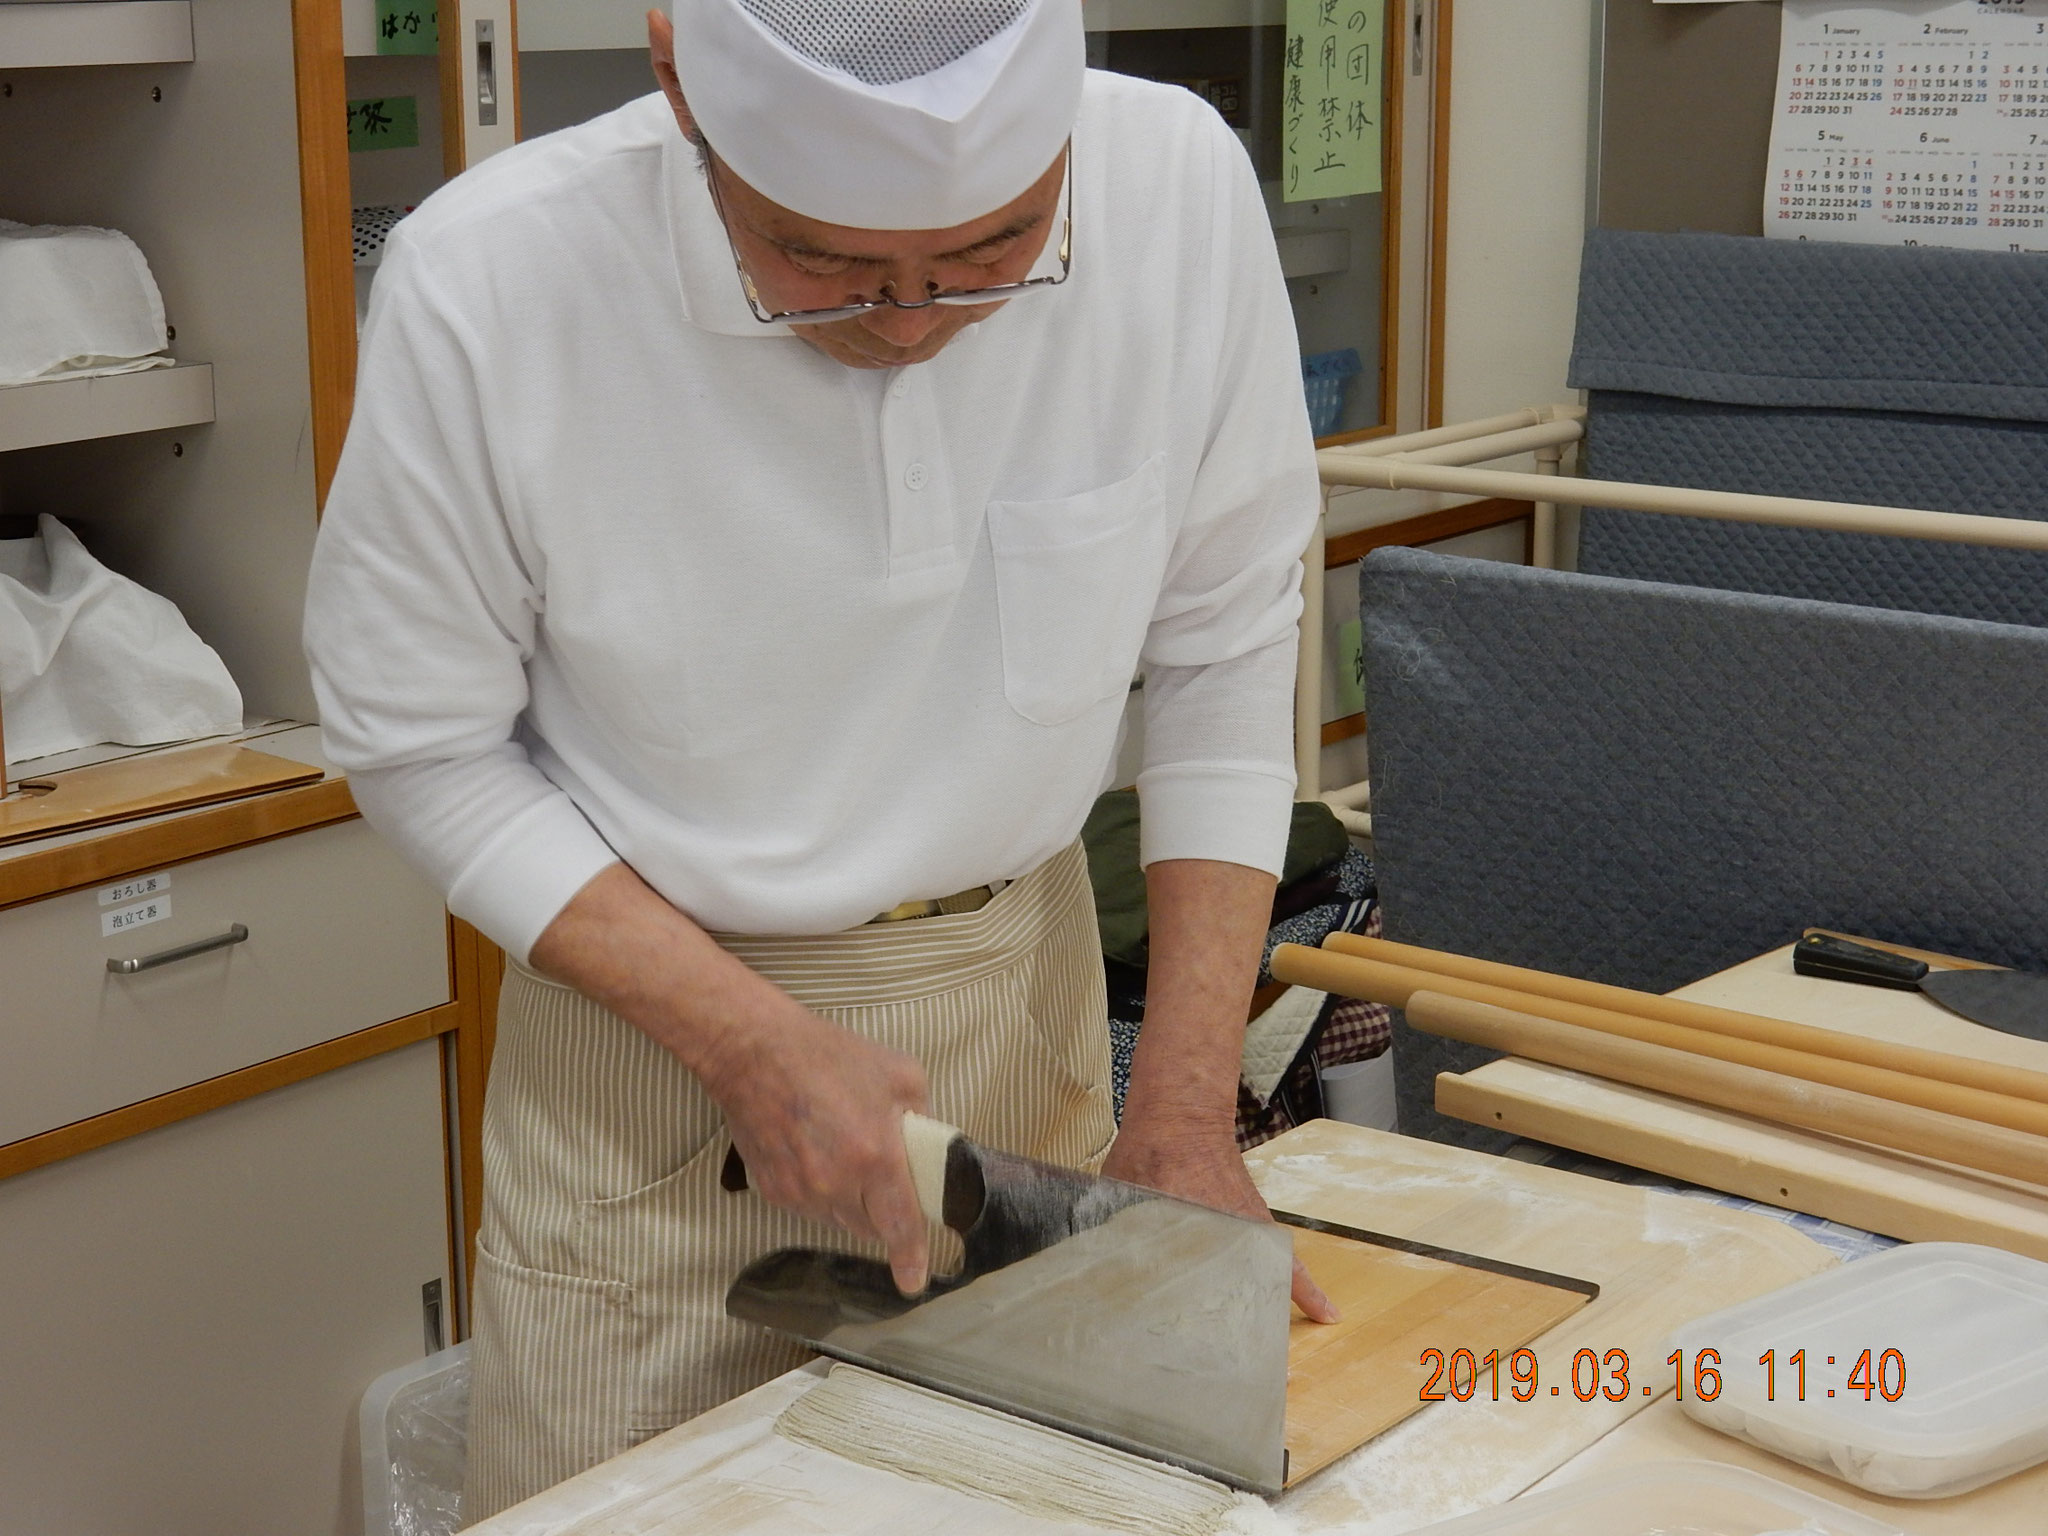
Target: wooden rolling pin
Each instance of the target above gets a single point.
(1940, 1066)
(1728, 1085)
(1396, 984)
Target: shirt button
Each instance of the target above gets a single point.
(916, 476)
(901, 387)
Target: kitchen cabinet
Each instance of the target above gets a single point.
(192, 1313)
(239, 1184)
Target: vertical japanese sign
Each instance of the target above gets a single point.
(408, 26)
(1331, 111)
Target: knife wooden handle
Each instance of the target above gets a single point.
(1833, 959)
(924, 1141)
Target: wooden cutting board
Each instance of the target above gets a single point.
(130, 787)
(1659, 1261)
(1356, 1378)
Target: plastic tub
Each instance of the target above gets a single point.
(1325, 378)
(1925, 1369)
(1668, 1498)
(415, 1435)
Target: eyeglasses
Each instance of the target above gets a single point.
(934, 295)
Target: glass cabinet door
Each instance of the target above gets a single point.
(1306, 86)
(432, 89)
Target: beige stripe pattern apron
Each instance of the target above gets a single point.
(607, 1242)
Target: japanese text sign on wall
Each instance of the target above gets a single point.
(1331, 106)
(408, 26)
(383, 122)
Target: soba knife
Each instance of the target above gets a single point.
(1097, 1307)
(2015, 1002)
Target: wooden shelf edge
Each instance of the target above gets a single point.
(77, 410)
(229, 1088)
(67, 33)
(1413, 532)
(133, 849)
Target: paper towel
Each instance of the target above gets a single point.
(75, 301)
(87, 656)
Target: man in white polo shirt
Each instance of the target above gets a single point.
(757, 505)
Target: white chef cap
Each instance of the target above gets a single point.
(884, 114)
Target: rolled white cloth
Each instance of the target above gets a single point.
(87, 656)
(76, 301)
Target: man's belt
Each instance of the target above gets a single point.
(973, 899)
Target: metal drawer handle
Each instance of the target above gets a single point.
(236, 934)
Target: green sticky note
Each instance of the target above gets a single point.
(408, 26)
(1332, 106)
(383, 122)
(1350, 645)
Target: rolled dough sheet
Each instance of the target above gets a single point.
(892, 1425)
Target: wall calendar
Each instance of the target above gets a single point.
(1912, 122)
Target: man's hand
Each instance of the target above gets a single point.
(816, 1111)
(1208, 921)
(1208, 1170)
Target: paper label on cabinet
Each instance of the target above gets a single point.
(408, 27)
(1332, 98)
(135, 889)
(121, 919)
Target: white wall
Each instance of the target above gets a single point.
(1519, 109)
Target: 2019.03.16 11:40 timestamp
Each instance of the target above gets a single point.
(1462, 1376)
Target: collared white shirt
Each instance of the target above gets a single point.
(611, 570)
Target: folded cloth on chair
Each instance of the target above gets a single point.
(1798, 323)
(74, 302)
(87, 656)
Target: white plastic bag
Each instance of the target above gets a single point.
(87, 656)
(415, 1437)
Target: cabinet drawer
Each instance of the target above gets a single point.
(341, 936)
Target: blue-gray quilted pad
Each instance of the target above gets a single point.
(1942, 463)
(1642, 784)
(1748, 321)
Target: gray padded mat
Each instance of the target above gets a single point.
(1749, 321)
(1901, 376)
(1944, 463)
(1643, 784)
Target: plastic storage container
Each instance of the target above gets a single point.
(1325, 377)
(415, 1432)
(1668, 1498)
(1925, 1369)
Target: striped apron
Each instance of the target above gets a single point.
(607, 1243)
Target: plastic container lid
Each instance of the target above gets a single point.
(1957, 1342)
(1668, 1498)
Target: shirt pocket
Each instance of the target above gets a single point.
(1077, 579)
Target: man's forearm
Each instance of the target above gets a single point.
(1208, 926)
(1209, 923)
(620, 944)
(816, 1110)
